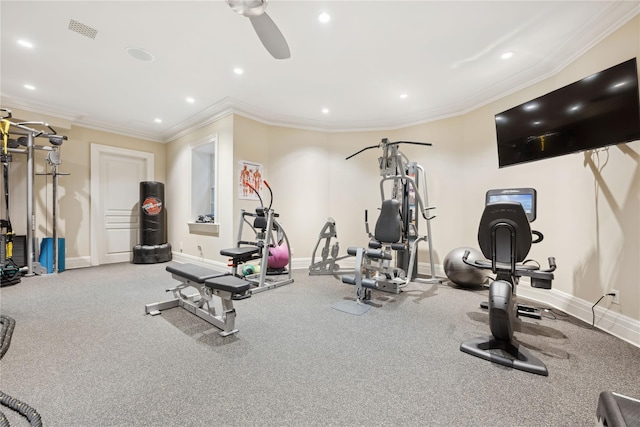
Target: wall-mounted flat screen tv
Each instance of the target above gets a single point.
(599, 110)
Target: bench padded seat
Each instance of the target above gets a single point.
(228, 283)
(240, 252)
(192, 272)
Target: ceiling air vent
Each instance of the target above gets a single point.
(80, 28)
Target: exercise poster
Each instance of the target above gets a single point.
(250, 177)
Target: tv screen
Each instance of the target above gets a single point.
(599, 110)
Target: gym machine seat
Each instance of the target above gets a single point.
(505, 238)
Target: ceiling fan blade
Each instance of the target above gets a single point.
(270, 36)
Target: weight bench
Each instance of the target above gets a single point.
(209, 283)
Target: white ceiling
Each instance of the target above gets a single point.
(445, 55)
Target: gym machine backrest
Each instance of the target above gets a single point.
(494, 215)
(389, 224)
(504, 235)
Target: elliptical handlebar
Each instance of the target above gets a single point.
(257, 194)
(266, 184)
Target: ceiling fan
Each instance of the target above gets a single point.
(267, 30)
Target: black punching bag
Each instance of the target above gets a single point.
(153, 245)
(153, 226)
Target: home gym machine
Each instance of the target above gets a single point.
(396, 230)
(270, 247)
(505, 238)
(26, 135)
(328, 265)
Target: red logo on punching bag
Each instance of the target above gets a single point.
(152, 206)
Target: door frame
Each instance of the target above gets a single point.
(97, 151)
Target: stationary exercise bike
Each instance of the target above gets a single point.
(505, 238)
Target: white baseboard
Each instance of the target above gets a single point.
(216, 265)
(77, 262)
(616, 324)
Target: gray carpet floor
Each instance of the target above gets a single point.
(83, 353)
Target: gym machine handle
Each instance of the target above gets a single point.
(266, 184)
(464, 259)
(53, 131)
(366, 223)
(386, 142)
(552, 264)
(539, 236)
(486, 265)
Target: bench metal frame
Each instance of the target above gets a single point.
(199, 303)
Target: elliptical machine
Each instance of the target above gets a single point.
(505, 238)
(270, 247)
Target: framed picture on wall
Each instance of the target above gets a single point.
(250, 178)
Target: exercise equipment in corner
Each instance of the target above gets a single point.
(505, 238)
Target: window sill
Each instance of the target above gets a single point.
(208, 228)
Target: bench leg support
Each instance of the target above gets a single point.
(225, 322)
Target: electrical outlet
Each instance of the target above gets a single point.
(616, 296)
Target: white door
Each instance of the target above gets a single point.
(116, 174)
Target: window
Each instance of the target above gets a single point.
(203, 181)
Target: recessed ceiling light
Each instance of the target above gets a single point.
(25, 43)
(238, 70)
(325, 111)
(403, 96)
(30, 87)
(324, 17)
(531, 106)
(140, 54)
(157, 120)
(190, 100)
(506, 55)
